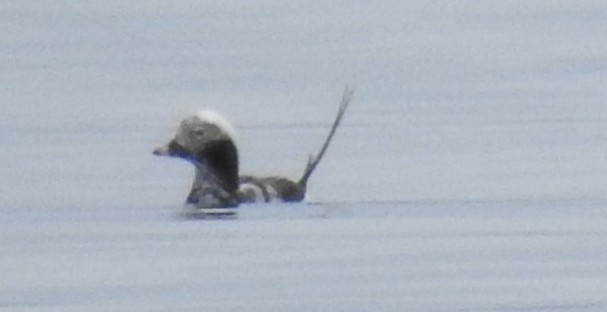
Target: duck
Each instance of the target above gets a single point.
(207, 140)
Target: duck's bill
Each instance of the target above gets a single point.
(162, 151)
(173, 149)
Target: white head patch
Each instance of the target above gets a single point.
(214, 118)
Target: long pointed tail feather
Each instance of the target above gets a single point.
(314, 160)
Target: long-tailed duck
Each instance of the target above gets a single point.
(207, 140)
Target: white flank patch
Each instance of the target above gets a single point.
(218, 120)
(246, 187)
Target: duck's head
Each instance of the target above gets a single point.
(206, 139)
(195, 134)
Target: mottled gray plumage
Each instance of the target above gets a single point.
(266, 189)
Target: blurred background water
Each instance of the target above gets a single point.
(470, 173)
(455, 100)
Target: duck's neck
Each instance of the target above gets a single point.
(220, 159)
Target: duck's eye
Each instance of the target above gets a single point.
(199, 132)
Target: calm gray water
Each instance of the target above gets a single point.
(470, 173)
